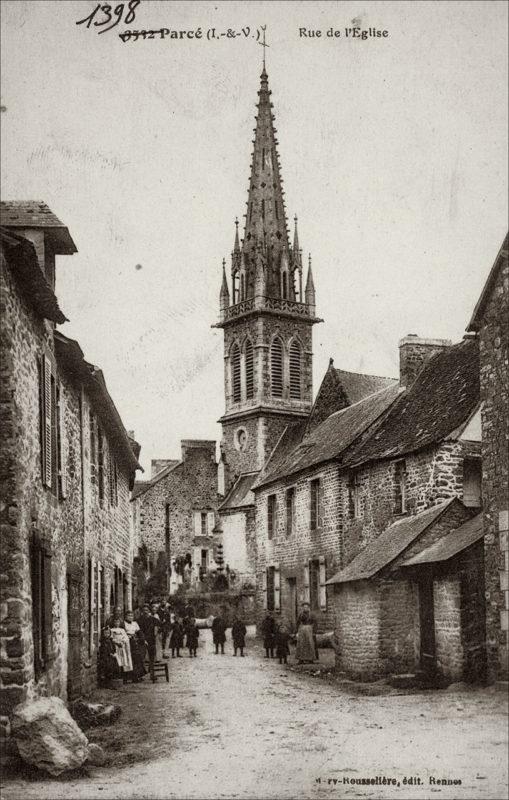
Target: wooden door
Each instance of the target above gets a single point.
(74, 635)
(427, 627)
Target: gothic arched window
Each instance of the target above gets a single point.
(276, 368)
(236, 374)
(249, 370)
(235, 287)
(295, 370)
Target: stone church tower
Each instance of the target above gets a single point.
(266, 315)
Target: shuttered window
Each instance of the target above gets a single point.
(271, 515)
(276, 368)
(236, 386)
(314, 583)
(40, 564)
(315, 504)
(290, 509)
(61, 443)
(100, 464)
(271, 588)
(249, 370)
(295, 371)
(48, 423)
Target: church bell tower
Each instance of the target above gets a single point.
(266, 314)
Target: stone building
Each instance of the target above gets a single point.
(174, 517)
(65, 487)
(490, 321)
(298, 518)
(409, 594)
(267, 316)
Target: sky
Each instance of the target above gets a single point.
(393, 153)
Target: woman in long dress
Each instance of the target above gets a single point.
(136, 642)
(305, 652)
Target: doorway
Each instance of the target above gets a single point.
(292, 602)
(74, 634)
(427, 627)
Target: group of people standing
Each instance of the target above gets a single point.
(276, 637)
(129, 640)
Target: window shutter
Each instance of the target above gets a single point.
(46, 422)
(323, 588)
(99, 600)
(62, 444)
(295, 371)
(320, 504)
(249, 370)
(91, 601)
(306, 584)
(48, 605)
(276, 368)
(211, 521)
(264, 588)
(277, 588)
(197, 523)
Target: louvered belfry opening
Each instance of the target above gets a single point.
(295, 371)
(249, 371)
(236, 374)
(276, 368)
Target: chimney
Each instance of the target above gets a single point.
(202, 446)
(414, 353)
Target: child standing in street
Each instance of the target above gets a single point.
(282, 644)
(239, 636)
(192, 637)
(268, 629)
(177, 637)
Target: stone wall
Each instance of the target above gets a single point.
(239, 544)
(433, 475)
(190, 486)
(358, 611)
(294, 552)
(494, 359)
(448, 638)
(69, 522)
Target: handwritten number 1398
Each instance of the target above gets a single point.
(107, 11)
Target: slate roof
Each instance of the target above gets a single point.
(36, 214)
(452, 544)
(358, 386)
(329, 439)
(389, 544)
(443, 396)
(21, 257)
(240, 495)
(69, 353)
(476, 321)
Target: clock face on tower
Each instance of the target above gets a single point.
(241, 439)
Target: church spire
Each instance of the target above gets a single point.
(310, 288)
(224, 294)
(236, 246)
(265, 218)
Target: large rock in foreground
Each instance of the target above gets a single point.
(47, 736)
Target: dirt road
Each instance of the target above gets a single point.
(229, 727)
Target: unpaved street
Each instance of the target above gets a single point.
(249, 728)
